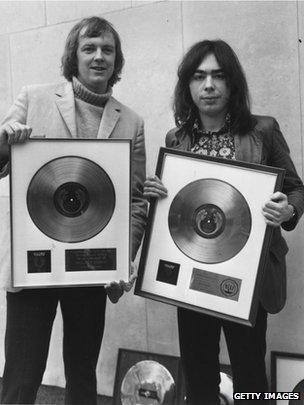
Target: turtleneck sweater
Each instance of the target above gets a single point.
(89, 107)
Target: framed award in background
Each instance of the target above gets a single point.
(70, 212)
(206, 242)
(148, 378)
(287, 376)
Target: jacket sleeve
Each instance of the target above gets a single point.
(139, 204)
(279, 156)
(170, 140)
(16, 113)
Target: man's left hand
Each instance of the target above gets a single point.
(115, 290)
(277, 210)
(127, 286)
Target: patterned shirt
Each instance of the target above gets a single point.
(214, 143)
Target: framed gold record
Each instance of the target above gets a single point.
(144, 378)
(70, 212)
(206, 243)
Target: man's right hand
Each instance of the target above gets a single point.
(154, 188)
(11, 133)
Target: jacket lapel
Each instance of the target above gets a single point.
(110, 116)
(64, 98)
(248, 147)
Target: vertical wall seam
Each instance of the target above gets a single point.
(45, 13)
(300, 81)
(182, 26)
(10, 69)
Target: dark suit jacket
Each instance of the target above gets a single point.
(264, 144)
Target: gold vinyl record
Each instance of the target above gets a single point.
(147, 383)
(209, 220)
(71, 199)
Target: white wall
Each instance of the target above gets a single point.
(265, 35)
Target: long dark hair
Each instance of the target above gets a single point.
(90, 27)
(185, 111)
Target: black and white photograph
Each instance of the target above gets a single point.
(105, 248)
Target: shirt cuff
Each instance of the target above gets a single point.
(291, 223)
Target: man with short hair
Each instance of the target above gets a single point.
(212, 114)
(81, 107)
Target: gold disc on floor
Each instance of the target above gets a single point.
(147, 383)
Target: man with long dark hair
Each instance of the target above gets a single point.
(81, 107)
(212, 115)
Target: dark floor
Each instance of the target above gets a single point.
(55, 396)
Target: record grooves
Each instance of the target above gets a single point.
(71, 199)
(209, 220)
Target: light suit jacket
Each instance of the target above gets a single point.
(264, 144)
(50, 111)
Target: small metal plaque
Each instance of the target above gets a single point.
(90, 259)
(215, 284)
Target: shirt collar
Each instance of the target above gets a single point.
(198, 132)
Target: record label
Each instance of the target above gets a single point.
(38, 261)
